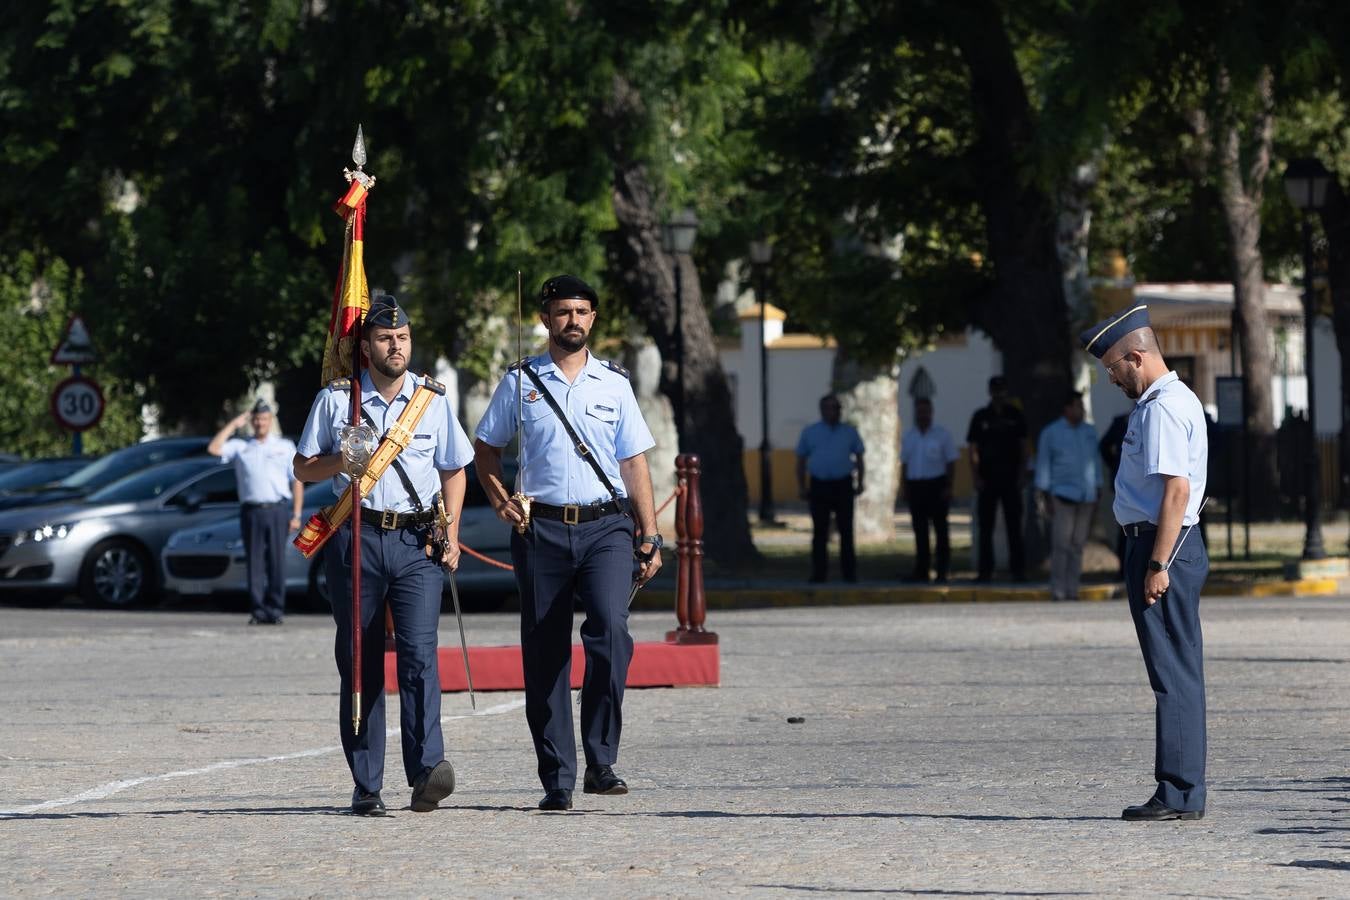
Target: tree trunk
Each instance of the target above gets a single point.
(647, 278)
(1025, 311)
(1336, 224)
(1071, 245)
(870, 396)
(1241, 175)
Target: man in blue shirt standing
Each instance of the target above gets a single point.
(1068, 479)
(831, 452)
(270, 501)
(588, 533)
(1159, 491)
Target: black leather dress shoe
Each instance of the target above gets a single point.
(433, 786)
(602, 780)
(556, 800)
(1157, 811)
(364, 804)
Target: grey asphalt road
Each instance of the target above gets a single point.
(981, 750)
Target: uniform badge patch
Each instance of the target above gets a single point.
(531, 396)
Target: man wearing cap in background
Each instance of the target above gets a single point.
(998, 461)
(396, 564)
(590, 530)
(1159, 490)
(270, 501)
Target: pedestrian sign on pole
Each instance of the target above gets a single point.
(75, 347)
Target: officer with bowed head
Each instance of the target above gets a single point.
(583, 470)
(1160, 488)
(397, 565)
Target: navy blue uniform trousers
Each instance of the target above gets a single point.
(1169, 636)
(395, 570)
(555, 563)
(265, 529)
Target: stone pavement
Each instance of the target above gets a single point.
(946, 750)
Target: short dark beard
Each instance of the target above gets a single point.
(570, 342)
(388, 371)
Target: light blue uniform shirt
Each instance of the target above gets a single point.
(1165, 436)
(438, 443)
(263, 469)
(829, 450)
(601, 407)
(1067, 462)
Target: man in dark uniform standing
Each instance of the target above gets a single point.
(1160, 488)
(396, 564)
(578, 537)
(997, 439)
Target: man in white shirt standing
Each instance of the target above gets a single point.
(1068, 480)
(927, 464)
(270, 500)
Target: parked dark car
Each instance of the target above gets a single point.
(38, 473)
(106, 546)
(106, 470)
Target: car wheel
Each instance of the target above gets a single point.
(317, 599)
(117, 574)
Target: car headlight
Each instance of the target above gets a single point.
(51, 532)
(236, 544)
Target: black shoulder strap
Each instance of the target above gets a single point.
(398, 469)
(571, 432)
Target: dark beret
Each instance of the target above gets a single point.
(567, 287)
(1102, 336)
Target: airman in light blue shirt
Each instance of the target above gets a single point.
(600, 405)
(438, 443)
(1165, 436)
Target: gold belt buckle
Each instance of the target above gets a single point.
(571, 514)
(388, 519)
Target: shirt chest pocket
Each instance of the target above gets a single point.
(421, 445)
(932, 452)
(534, 411)
(603, 412)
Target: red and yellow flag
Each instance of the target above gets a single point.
(351, 296)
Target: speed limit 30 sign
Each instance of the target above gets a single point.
(77, 403)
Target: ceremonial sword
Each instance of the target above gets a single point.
(443, 522)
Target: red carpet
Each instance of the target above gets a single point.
(655, 664)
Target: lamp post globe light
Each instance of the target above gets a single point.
(677, 238)
(761, 254)
(1305, 181)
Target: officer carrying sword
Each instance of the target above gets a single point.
(1160, 489)
(589, 533)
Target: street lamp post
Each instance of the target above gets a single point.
(678, 239)
(761, 254)
(1305, 180)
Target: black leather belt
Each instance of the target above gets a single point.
(389, 520)
(572, 513)
(1134, 529)
(264, 505)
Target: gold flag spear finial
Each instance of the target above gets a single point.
(359, 157)
(359, 148)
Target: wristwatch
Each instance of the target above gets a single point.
(1155, 566)
(655, 541)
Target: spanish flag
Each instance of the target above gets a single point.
(351, 296)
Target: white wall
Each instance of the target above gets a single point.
(961, 375)
(798, 378)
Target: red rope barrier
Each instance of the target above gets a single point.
(501, 565)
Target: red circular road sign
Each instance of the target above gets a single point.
(77, 403)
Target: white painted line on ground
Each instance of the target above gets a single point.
(116, 787)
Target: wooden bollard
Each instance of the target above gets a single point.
(691, 609)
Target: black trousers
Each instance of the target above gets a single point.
(265, 529)
(832, 496)
(928, 503)
(1008, 494)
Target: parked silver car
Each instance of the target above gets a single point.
(209, 559)
(107, 544)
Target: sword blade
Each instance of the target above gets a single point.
(463, 642)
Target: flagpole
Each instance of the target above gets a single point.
(358, 157)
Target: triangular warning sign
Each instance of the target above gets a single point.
(75, 348)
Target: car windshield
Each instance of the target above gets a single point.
(149, 483)
(39, 472)
(127, 460)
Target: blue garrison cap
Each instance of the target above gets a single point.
(567, 287)
(261, 407)
(1100, 337)
(385, 312)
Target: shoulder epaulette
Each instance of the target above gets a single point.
(615, 367)
(432, 384)
(340, 384)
